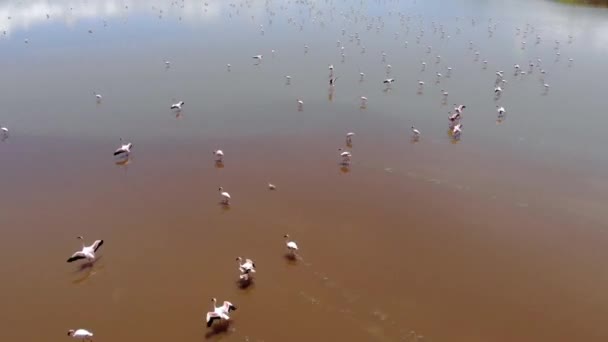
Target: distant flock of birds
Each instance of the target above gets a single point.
(247, 267)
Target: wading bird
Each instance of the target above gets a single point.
(81, 334)
(225, 196)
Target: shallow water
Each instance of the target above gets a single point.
(499, 236)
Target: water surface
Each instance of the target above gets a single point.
(499, 236)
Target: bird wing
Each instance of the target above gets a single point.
(119, 151)
(77, 256)
(228, 306)
(96, 245)
(212, 316)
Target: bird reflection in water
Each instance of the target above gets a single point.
(223, 327)
(123, 161)
(87, 270)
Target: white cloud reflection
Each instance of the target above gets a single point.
(25, 14)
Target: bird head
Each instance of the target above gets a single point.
(220, 188)
(80, 238)
(70, 332)
(286, 236)
(214, 300)
(239, 259)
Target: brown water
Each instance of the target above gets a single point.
(498, 237)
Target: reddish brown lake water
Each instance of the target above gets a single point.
(500, 236)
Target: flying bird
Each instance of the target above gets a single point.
(124, 149)
(219, 312)
(178, 105)
(87, 252)
(246, 267)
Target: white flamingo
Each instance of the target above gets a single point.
(349, 138)
(81, 334)
(87, 252)
(346, 156)
(460, 108)
(246, 267)
(363, 101)
(457, 130)
(416, 132)
(178, 105)
(219, 312)
(124, 149)
(219, 155)
(292, 246)
(225, 196)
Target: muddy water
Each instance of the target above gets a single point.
(498, 237)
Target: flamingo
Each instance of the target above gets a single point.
(346, 156)
(225, 196)
(245, 267)
(87, 252)
(81, 334)
(457, 130)
(292, 247)
(124, 149)
(416, 132)
(349, 138)
(460, 108)
(219, 155)
(178, 105)
(219, 312)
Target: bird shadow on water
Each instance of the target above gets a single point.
(219, 164)
(344, 169)
(245, 283)
(223, 327)
(291, 258)
(86, 270)
(122, 161)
